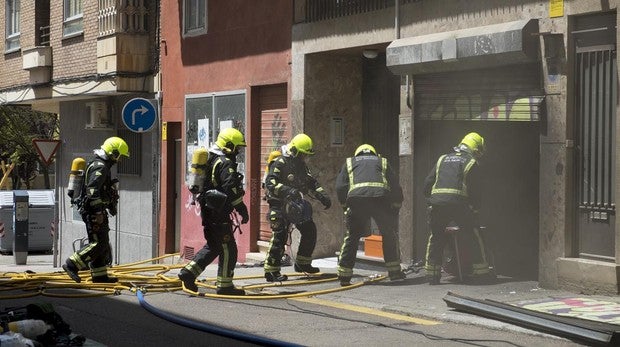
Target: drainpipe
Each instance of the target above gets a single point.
(397, 18)
(397, 32)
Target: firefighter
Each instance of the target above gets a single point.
(97, 198)
(219, 194)
(286, 181)
(452, 190)
(367, 187)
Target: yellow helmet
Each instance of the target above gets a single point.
(301, 143)
(229, 139)
(365, 148)
(114, 147)
(475, 142)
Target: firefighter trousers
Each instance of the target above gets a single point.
(279, 238)
(220, 244)
(470, 243)
(97, 254)
(357, 220)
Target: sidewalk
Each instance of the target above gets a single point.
(413, 296)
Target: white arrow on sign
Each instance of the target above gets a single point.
(142, 111)
(46, 149)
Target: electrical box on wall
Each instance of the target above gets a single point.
(98, 117)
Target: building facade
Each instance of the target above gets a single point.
(537, 79)
(224, 64)
(84, 60)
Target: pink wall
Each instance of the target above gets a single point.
(247, 45)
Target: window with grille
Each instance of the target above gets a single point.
(73, 18)
(131, 165)
(12, 25)
(194, 17)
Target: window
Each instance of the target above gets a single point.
(206, 115)
(131, 165)
(73, 17)
(12, 25)
(194, 17)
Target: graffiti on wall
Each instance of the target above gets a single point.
(278, 130)
(500, 107)
(585, 308)
(191, 205)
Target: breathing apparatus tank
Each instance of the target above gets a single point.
(76, 178)
(198, 170)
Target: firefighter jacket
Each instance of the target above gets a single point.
(286, 174)
(222, 175)
(454, 180)
(368, 176)
(98, 193)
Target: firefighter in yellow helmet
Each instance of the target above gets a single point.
(287, 181)
(98, 198)
(452, 189)
(220, 193)
(367, 187)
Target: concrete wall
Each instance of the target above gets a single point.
(131, 234)
(333, 88)
(321, 39)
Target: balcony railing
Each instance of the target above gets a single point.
(317, 10)
(122, 16)
(44, 36)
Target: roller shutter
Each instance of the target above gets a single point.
(510, 93)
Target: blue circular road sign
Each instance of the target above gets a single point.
(139, 115)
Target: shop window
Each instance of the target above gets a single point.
(206, 115)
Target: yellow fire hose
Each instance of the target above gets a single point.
(147, 276)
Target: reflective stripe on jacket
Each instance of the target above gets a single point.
(450, 183)
(367, 176)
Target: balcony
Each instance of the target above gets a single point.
(123, 44)
(38, 61)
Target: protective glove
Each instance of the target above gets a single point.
(97, 218)
(324, 199)
(243, 211)
(112, 209)
(293, 194)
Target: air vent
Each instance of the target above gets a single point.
(98, 117)
(188, 252)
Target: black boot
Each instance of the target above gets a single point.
(72, 271)
(397, 275)
(230, 291)
(189, 281)
(306, 268)
(434, 280)
(104, 279)
(275, 276)
(344, 280)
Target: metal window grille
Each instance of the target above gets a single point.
(122, 16)
(133, 164)
(44, 35)
(317, 10)
(596, 107)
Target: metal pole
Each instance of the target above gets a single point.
(397, 18)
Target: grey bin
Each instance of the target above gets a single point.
(40, 219)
